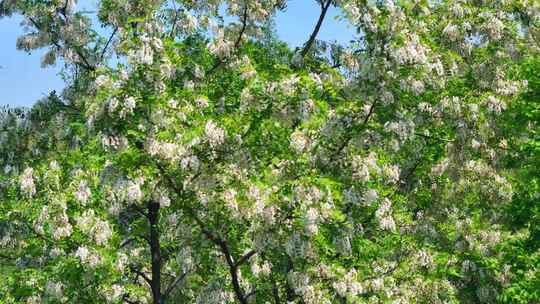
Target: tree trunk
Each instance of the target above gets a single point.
(155, 250)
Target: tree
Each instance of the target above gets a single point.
(213, 164)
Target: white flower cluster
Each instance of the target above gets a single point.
(301, 285)
(495, 105)
(364, 167)
(27, 182)
(128, 106)
(220, 46)
(162, 197)
(348, 286)
(83, 192)
(166, 150)
(384, 215)
(93, 226)
(113, 293)
(404, 129)
(311, 221)
(423, 259)
(412, 52)
(263, 269)
(214, 134)
(59, 223)
(260, 207)
(88, 257)
(54, 290)
(215, 295)
(299, 141)
(297, 247)
(114, 142)
(370, 196)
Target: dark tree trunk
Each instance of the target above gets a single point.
(155, 250)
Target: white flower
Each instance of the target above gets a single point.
(82, 253)
(220, 46)
(202, 102)
(102, 232)
(36, 299)
(83, 192)
(370, 196)
(129, 106)
(114, 293)
(311, 221)
(475, 144)
(451, 31)
(27, 182)
(87, 257)
(424, 259)
(392, 173)
(93, 226)
(495, 105)
(215, 135)
(163, 198)
(384, 215)
(341, 288)
(133, 190)
(229, 197)
(299, 141)
(142, 55)
(102, 81)
(54, 289)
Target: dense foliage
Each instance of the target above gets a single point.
(196, 160)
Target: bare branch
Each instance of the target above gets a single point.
(107, 44)
(244, 25)
(311, 40)
(244, 258)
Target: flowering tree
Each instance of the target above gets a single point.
(212, 164)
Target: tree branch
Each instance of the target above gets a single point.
(350, 135)
(85, 64)
(275, 292)
(127, 300)
(141, 274)
(127, 242)
(220, 61)
(244, 258)
(311, 40)
(244, 25)
(217, 240)
(173, 28)
(173, 285)
(107, 44)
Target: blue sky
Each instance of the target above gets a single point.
(23, 81)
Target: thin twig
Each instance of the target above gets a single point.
(107, 44)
